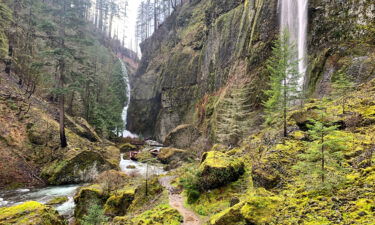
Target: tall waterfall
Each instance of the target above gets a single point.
(124, 115)
(294, 19)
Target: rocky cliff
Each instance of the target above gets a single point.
(209, 47)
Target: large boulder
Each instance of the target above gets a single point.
(168, 155)
(86, 197)
(217, 169)
(82, 128)
(256, 210)
(118, 203)
(30, 213)
(182, 136)
(81, 168)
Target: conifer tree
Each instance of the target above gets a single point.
(284, 78)
(232, 117)
(321, 164)
(5, 18)
(341, 89)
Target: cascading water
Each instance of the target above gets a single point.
(294, 19)
(124, 115)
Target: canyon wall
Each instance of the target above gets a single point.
(208, 47)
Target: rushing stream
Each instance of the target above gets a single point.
(42, 195)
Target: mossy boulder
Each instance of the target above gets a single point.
(217, 169)
(83, 167)
(118, 203)
(303, 118)
(160, 215)
(30, 213)
(182, 136)
(127, 147)
(255, 210)
(167, 155)
(86, 197)
(57, 201)
(82, 128)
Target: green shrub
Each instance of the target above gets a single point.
(191, 185)
(95, 215)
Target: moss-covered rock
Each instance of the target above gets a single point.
(118, 203)
(30, 213)
(83, 167)
(160, 215)
(218, 169)
(256, 209)
(57, 200)
(167, 155)
(86, 197)
(127, 147)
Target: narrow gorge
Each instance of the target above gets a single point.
(191, 112)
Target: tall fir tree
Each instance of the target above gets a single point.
(284, 91)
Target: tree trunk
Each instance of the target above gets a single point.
(284, 106)
(61, 107)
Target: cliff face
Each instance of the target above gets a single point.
(209, 47)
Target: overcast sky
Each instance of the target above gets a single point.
(132, 18)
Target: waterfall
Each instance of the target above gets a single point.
(124, 114)
(294, 19)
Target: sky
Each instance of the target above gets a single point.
(132, 19)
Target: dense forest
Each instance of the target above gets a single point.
(167, 112)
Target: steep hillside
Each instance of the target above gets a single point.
(42, 68)
(208, 48)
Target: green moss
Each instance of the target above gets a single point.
(118, 203)
(160, 215)
(30, 213)
(127, 147)
(58, 200)
(218, 169)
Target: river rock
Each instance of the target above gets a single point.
(30, 213)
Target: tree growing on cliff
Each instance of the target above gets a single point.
(321, 164)
(341, 89)
(284, 91)
(232, 117)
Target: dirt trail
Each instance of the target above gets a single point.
(177, 202)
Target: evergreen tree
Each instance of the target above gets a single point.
(232, 117)
(321, 164)
(95, 215)
(284, 78)
(5, 18)
(341, 88)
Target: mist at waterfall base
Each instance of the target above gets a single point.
(294, 20)
(124, 114)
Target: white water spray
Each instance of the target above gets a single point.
(124, 115)
(294, 19)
